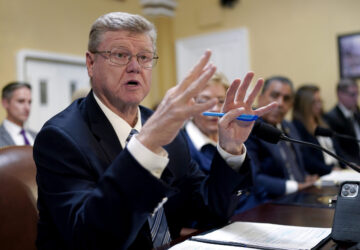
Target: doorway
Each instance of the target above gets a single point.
(230, 52)
(53, 78)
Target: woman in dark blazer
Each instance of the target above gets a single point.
(307, 115)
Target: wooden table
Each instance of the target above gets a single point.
(295, 213)
(305, 208)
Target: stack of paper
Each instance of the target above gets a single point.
(259, 236)
(336, 177)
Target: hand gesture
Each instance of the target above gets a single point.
(232, 132)
(177, 106)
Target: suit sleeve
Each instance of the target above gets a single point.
(210, 198)
(92, 210)
(98, 203)
(262, 164)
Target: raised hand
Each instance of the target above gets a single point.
(178, 106)
(232, 132)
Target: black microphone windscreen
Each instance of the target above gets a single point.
(323, 132)
(266, 132)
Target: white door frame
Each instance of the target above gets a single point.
(25, 58)
(26, 54)
(230, 52)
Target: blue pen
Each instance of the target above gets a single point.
(243, 117)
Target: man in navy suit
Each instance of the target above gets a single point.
(278, 169)
(344, 118)
(98, 187)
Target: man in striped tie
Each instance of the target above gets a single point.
(100, 188)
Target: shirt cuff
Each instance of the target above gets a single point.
(155, 163)
(291, 186)
(234, 161)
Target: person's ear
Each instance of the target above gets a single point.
(90, 63)
(5, 103)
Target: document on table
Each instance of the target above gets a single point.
(259, 236)
(197, 245)
(336, 177)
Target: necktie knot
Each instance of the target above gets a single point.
(131, 134)
(26, 140)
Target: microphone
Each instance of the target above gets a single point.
(273, 135)
(329, 133)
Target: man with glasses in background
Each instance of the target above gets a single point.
(344, 119)
(113, 175)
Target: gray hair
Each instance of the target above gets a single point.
(116, 21)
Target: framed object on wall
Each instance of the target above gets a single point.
(349, 55)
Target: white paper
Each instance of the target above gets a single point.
(268, 235)
(336, 177)
(195, 245)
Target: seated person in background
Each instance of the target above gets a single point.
(202, 131)
(307, 115)
(344, 119)
(278, 168)
(101, 185)
(16, 100)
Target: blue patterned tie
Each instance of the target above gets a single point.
(159, 230)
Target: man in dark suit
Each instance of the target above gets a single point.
(344, 119)
(100, 188)
(278, 169)
(16, 100)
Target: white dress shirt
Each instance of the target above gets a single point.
(14, 131)
(155, 163)
(327, 143)
(199, 140)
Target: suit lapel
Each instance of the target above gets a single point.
(348, 126)
(102, 129)
(6, 136)
(145, 114)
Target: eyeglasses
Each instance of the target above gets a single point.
(121, 56)
(203, 99)
(351, 94)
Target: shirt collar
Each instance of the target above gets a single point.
(121, 127)
(11, 127)
(347, 113)
(197, 137)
